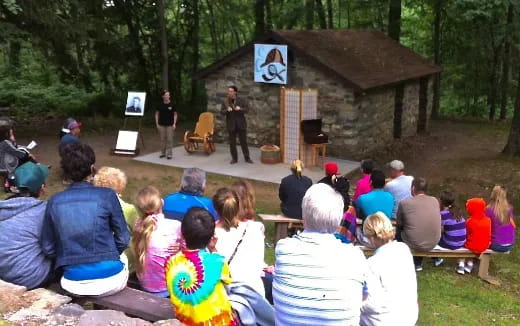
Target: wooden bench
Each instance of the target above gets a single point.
(132, 302)
(484, 258)
(281, 224)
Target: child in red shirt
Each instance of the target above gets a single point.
(478, 229)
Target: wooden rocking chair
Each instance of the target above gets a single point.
(203, 134)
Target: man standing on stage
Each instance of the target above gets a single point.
(166, 122)
(234, 110)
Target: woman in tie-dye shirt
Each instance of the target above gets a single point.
(195, 276)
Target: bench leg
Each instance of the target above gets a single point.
(483, 268)
(281, 231)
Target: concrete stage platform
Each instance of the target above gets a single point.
(218, 162)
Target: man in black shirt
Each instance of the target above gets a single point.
(166, 122)
(234, 110)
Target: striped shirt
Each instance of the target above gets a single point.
(318, 281)
(454, 233)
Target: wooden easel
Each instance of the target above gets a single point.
(138, 128)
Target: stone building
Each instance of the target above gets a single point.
(371, 88)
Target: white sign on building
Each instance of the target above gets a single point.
(271, 63)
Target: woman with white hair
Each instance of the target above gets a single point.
(318, 280)
(391, 280)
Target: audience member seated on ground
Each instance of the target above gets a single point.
(21, 221)
(391, 280)
(69, 133)
(115, 179)
(12, 155)
(85, 230)
(196, 277)
(377, 200)
(154, 240)
(502, 221)
(240, 242)
(292, 189)
(318, 280)
(478, 229)
(191, 195)
(419, 220)
(337, 182)
(400, 186)
(453, 228)
(363, 185)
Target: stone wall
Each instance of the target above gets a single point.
(376, 120)
(410, 108)
(356, 123)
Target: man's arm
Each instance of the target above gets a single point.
(174, 119)
(224, 108)
(157, 118)
(48, 239)
(242, 106)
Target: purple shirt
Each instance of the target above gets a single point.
(363, 186)
(501, 234)
(454, 232)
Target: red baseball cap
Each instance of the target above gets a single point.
(331, 168)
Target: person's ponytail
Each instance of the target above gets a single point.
(226, 204)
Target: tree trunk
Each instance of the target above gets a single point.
(330, 22)
(505, 65)
(213, 30)
(492, 99)
(437, 59)
(394, 19)
(268, 16)
(259, 18)
(164, 44)
(321, 14)
(309, 14)
(194, 36)
(513, 142)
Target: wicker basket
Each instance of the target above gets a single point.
(270, 154)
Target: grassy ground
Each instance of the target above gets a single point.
(461, 156)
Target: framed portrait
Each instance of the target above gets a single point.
(135, 103)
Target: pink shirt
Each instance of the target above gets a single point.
(166, 234)
(363, 186)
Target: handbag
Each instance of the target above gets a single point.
(238, 245)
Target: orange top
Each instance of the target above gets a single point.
(478, 226)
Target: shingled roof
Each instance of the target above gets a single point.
(363, 59)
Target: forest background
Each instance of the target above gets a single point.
(80, 58)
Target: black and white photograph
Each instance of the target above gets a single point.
(135, 103)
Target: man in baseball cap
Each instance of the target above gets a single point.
(21, 222)
(339, 183)
(70, 133)
(400, 186)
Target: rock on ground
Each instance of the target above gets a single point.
(109, 318)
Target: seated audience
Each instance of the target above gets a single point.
(453, 228)
(419, 220)
(115, 179)
(69, 133)
(478, 229)
(377, 200)
(337, 182)
(191, 195)
(502, 221)
(240, 242)
(14, 155)
(21, 222)
(247, 200)
(154, 240)
(400, 186)
(196, 277)
(312, 286)
(391, 281)
(363, 185)
(292, 189)
(85, 230)
(347, 230)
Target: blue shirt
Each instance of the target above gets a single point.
(177, 204)
(378, 200)
(68, 139)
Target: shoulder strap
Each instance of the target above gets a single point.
(238, 244)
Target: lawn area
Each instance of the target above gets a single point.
(461, 156)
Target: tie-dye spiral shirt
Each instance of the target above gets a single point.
(195, 280)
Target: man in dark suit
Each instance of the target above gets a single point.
(234, 110)
(136, 106)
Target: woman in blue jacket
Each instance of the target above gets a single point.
(85, 230)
